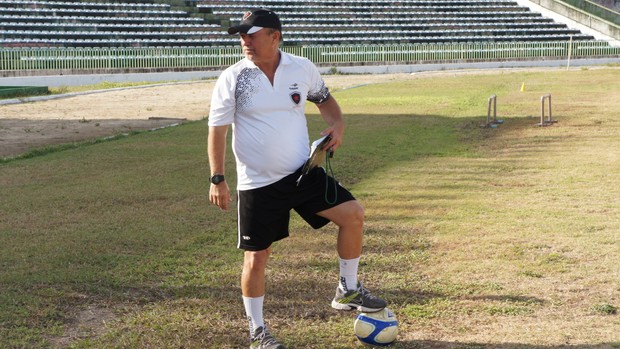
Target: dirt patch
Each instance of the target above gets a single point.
(28, 126)
(18, 136)
(32, 125)
(89, 322)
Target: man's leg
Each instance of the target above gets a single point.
(253, 285)
(253, 290)
(349, 217)
(253, 275)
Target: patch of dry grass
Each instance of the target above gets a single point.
(524, 235)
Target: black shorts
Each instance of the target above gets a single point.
(264, 213)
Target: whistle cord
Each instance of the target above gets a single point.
(330, 172)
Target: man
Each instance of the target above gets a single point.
(263, 98)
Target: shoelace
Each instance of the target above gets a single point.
(366, 294)
(266, 338)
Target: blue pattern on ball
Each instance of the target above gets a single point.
(379, 326)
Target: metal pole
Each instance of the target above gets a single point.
(550, 118)
(494, 109)
(542, 111)
(492, 102)
(570, 51)
(489, 111)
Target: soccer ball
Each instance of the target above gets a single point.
(379, 328)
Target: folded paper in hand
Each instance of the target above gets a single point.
(317, 156)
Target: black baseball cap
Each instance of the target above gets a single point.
(256, 20)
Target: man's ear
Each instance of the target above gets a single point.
(278, 36)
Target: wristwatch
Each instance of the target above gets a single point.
(217, 178)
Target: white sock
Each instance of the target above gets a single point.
(348, 273)
(254, 312)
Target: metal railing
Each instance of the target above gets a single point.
(180, 58)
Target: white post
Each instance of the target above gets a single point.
(570, 51)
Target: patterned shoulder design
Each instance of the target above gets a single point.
(318, 94)
(247, 85)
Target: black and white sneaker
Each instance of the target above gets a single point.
(262, 339)
(359, 299)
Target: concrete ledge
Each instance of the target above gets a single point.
(77, 80)
(610, 31)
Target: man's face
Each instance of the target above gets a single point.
(260, 46)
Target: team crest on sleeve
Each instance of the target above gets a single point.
(296, 97)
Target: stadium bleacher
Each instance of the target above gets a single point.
(37, 23)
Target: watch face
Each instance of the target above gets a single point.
(217, 179)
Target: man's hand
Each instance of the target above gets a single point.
(219, 195)
(336, 137)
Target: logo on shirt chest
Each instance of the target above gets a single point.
(296, 97)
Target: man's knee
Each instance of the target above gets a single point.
(353, 215)
(358, 213)
(256, 260)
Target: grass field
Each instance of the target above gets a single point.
(503, 237)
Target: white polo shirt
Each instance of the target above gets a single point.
(270, 134)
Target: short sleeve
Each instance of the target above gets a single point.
(222, 110)
(318, 92)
